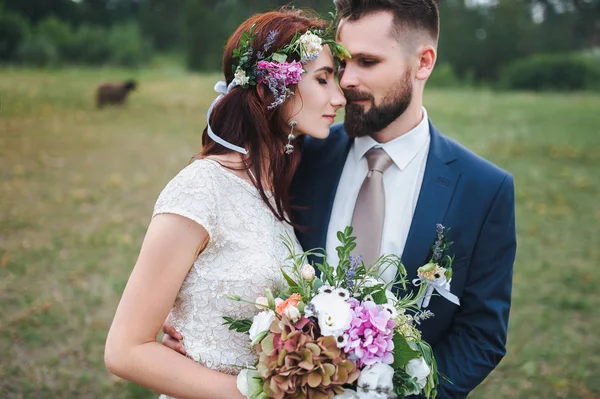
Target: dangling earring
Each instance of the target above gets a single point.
(289, 147)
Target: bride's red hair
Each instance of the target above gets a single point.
(242, 118)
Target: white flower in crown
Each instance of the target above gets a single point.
(311, 47)
(240, 77)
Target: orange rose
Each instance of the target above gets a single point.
(293, 300)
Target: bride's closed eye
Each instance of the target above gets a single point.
(322, 81)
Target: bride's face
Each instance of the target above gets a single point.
(317, 98)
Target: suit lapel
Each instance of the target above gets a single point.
(328, 183)
(315, 186)
(439, 182)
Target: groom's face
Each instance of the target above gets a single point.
(377, 80)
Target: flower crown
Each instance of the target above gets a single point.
(274, 70)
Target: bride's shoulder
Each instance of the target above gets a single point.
(199, 174)
(214, 173)
(201, 167)
(192, 193)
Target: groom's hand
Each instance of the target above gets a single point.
(172, 338)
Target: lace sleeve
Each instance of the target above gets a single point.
(191, 194)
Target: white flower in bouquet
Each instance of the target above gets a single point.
(249, 383)
(370, 282)
(391, 309)
(308, 272)
(342, 293)
(326, 289)
(347, 394)
(332, 312)
(260, 324)
(390, 306)
(391, 298)
(418, 368)
(292, 313)
(368, 298)
(262, 302)
(376, 382)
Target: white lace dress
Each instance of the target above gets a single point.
(243, 257)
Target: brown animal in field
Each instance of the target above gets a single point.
(114, 93)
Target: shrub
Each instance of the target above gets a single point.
(37, 51)
(60, 34)
(127, 46)
(14, 30)
(90, 45)
(552, 72)
(443, 76)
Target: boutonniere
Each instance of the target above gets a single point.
(437, 273)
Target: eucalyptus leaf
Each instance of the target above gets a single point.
(239, 325)
(280, 58)
(379, 297)
(403, 353)
(260, 337)
(318, 283)
(289, 280)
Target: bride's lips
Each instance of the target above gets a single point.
(330, 118)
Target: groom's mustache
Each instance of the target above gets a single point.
(356, 95)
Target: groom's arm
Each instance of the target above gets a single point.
(172, 338)
(476, 341)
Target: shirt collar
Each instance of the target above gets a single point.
(402, 149)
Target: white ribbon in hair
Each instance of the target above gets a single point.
(222, 88)
(441, 285)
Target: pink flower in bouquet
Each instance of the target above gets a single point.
(293, 300)
(370, 334)
(295, 362)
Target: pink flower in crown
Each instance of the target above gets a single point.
(278, 76)
(285, 74)
(369, 338)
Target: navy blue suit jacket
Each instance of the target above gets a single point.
(464, 192)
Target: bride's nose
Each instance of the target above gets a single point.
(338, 100)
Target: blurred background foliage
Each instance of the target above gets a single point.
(506, 44)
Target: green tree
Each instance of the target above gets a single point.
(14, 30)
(36, 10)
(162, 23)
(508, 27)
(209, 23)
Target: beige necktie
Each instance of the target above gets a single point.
(369, 210)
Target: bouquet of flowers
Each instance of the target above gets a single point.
(344, 334)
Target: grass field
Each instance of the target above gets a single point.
(77, 186)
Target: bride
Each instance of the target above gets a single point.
(216, 226)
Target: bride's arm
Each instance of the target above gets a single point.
(171, 245)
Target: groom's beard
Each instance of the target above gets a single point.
(359, 123)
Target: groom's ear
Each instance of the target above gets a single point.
(427, 56)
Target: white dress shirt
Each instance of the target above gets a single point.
(402, 184)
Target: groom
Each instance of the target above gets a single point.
(424, 178)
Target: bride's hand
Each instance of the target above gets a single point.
(172, 338)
